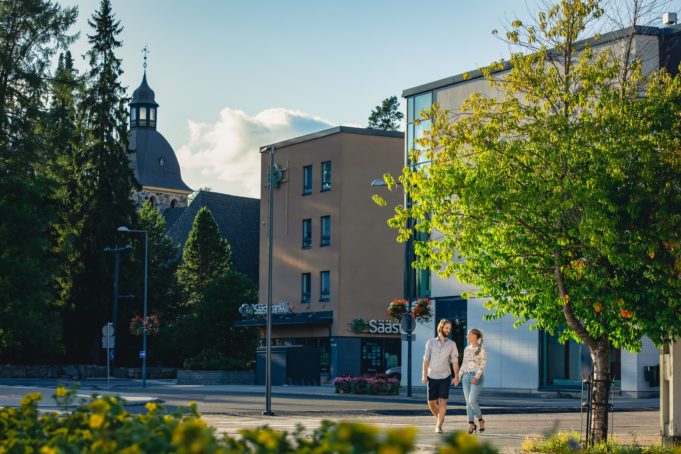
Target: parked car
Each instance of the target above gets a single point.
(394, 372)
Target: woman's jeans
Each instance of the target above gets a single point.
(470, 393)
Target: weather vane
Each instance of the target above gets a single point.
(145, 51)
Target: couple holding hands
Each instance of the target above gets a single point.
(437, 374)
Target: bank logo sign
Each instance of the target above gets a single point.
(361, 326)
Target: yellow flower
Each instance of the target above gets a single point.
(96, 421)
(28, 399)
(266, 438)
(99, 406)
(48, 450)
(61, 391)
(151, 407)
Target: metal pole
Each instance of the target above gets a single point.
(270, 231)
(409, 292)
(114, 317)
(144, 334)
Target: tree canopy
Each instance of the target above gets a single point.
(387, 115)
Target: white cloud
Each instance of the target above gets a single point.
(224, 155)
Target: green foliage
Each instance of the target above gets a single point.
(103, 181)
(560, 189)
(212, 291)
(102, 424)
(205, 257)
(30, 33)
(387, 115)
(568, 443)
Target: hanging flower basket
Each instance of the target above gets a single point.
(138, 325)
(422, 310)
(397, 309)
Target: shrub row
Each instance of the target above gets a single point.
(348, 384)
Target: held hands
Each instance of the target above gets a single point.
(455, 382)
(474, 380)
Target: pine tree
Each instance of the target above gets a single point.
(30, 33)
(104, 181)
(387, 115)
(206, 256)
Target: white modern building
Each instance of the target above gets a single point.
(520, 358)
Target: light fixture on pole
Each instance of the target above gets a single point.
(124, 229)
(408, 324)
(270, 231)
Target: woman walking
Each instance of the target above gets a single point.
(472, 378)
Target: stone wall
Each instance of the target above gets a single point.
(162, 200)
(81, 371)
(215, 377)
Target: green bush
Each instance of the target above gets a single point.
(568, 443)
(103, 425)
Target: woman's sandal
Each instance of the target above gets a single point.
(472, 427)
(482, 424)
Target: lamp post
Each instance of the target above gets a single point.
(409, 273)
(114, 308)
(124, 229)
(270, 230)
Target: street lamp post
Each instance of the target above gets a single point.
(114, 308)
(270, 230)
(124, 229)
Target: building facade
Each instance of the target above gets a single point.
(336, 264)
(153, 160)
(519, 358)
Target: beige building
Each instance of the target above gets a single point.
(336, 263)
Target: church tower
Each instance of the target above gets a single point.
(153, 159)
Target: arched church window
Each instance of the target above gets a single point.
(152, 200)
(173, 203)
(133, 116)
(143, 116)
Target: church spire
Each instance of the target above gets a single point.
(143, 107)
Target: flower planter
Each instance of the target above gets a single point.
(367, 385)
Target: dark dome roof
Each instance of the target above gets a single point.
(155, 163)
(144, 94)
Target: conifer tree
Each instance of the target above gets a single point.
(104, 181)
(387, 115)
(30, 33)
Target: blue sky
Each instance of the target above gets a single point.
(230, 76)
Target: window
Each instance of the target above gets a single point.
(305, 286)
(326, 176)
(324, 285)
(307, 233)
(152, 117)
(307, 180)
(133, 117)
(161, 161)
(143, 116)
(415, 131)
(326, 231)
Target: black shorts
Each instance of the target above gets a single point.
(439, 388)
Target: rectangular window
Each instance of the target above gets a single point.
(143, 116)
(326, 176)
(326, 231)
(305, 286)
(307, 233)
(324, 285)
(307, 180)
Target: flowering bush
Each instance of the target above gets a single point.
(138, 324)
(348, 384)
(422, 310)
(397, 309)
(101, 424)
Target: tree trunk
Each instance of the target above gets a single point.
(601, 388)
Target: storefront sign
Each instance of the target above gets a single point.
(361, 326)
(260, 310)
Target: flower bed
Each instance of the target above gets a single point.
(348, 384)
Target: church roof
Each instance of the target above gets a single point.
(144, 94)
(155, 163)
(238, 219)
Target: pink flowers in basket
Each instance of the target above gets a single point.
(138, 325)
(422, 309)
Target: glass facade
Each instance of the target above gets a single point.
(325, 231)
(307, 180)
(307, 233)
(324, 285)
(379, 355)
(326, 176)
(454, 309)
(416, 126)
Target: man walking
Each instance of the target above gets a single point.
(440, 352)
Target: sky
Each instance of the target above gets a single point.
(231, 76)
